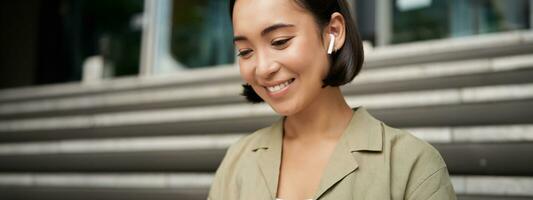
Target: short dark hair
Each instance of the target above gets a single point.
(345, 62)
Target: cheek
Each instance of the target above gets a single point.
(306, 57)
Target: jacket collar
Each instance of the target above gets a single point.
(364, 133)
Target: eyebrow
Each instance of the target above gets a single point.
(265, 31)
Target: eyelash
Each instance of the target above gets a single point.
(281, 42)
(275, 43)
(244, 53)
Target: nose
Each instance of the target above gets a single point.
(266, 67)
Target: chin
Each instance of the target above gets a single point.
(284, 109)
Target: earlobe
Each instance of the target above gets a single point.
(331, 43)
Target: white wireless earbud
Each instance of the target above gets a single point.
(331, 43)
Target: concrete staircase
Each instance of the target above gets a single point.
(163, 137)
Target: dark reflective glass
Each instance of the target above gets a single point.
(201, 33)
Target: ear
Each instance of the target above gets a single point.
(336, 27)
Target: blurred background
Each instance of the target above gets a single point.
(139, 99)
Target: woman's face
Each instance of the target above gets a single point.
(281, 53)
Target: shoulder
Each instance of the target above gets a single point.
(407, 146)
(235, 163)
(417, 164)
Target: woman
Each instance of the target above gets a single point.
(294, 55)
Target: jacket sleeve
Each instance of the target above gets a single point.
(216, 191)
(224, 186)
(435, 187)
(423, 170)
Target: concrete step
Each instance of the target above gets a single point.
(474, 134)
(105, 186)
(71, 193)
(493, 197)
(195, 186)
(438, 76)
(174, 153)
(487, 45)
(52, 193)
(205, 76)
(443, 75)
(467, 150)
(436, 134)
(432, 107)
(170, 122)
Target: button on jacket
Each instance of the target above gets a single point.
(371, 161)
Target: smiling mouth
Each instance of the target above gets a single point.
(280, 86)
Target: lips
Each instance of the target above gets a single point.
(279, 87)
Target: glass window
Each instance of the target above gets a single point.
(53, 40)
(487, 16)
(415, 20)
(110, 30)
(201, 33)
(419, 20)
(365, 16)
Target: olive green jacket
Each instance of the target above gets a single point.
(371, 161)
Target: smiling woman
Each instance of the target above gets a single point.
(294, 55)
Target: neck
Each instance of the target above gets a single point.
(326, 117)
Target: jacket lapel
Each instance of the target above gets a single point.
(363, 133)
(341, 164)
(269, 158)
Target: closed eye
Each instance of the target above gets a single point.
(280, 42)
(244, 53)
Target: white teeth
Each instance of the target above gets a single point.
(279, 87)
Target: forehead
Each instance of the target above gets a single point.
(251, 16)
